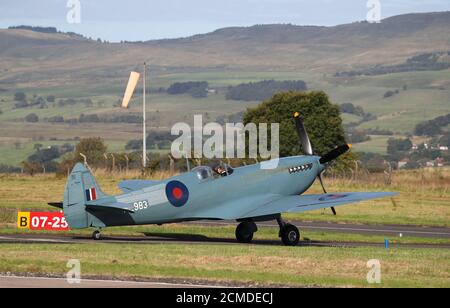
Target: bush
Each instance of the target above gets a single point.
(388, 94)
(32, 118)
(9, 169)
(19, 105)
(56, 119)
(20, 97)
(197, 89)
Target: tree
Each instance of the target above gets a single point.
(44, 156)
(388, 94)
(20, 97)
(32, 118)
(93, 148)
(432, 127)
(322, 120)
(398, 146)
(134, 145)
(445, 140)
(51, 98)
(37, 147)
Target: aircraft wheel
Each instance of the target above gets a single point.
(245, 231)
(290, 236)
(96, 235)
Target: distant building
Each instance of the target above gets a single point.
(443, 148)
(402, 163)
(439, 162)
(415, 147)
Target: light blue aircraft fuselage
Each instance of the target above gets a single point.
(213, 197)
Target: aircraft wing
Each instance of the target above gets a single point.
(304, 203)
(133, 185)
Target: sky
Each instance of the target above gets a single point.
(135, 20)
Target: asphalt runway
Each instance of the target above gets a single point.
(194, 239)
(392, 232)
(44, 282)
(386, 230)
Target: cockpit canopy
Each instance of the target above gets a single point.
(203, 172)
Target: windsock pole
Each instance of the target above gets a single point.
(144, 128)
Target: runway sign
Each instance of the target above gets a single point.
(50, 221)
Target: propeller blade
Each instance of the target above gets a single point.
(132, 83)
(334, 210)
(325, 191)
(335, 153)
(321, 183)
(302, 134)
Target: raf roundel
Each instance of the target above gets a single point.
(177, 193)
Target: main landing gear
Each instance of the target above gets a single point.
(289, 234)
(245, 231)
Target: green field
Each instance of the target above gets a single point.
(249, 265)
(427, 96)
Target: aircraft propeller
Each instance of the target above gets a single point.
(307, 148)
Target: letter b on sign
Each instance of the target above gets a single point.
(23, 220)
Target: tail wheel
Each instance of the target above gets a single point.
(290, 236)
(245, 231)
(96, 235)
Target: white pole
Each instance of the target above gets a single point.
(144, 141)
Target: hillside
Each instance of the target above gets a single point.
(34, 59)
(392, 57)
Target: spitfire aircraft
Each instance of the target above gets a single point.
(247, 194)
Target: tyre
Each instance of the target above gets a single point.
(96, 235)
(290, 236)
(245, 231)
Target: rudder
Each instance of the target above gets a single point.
(81, 188)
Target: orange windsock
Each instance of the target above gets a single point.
(132, 83)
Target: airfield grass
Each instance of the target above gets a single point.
(247, 264)
(424, 200)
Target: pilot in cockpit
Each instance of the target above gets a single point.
(220, 170)
(223, 170)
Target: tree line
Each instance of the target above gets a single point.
(432, 127)
(423, 62)
(260, 91)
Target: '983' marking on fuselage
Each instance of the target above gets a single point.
(140, 205)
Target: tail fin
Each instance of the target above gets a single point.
(81, 188)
